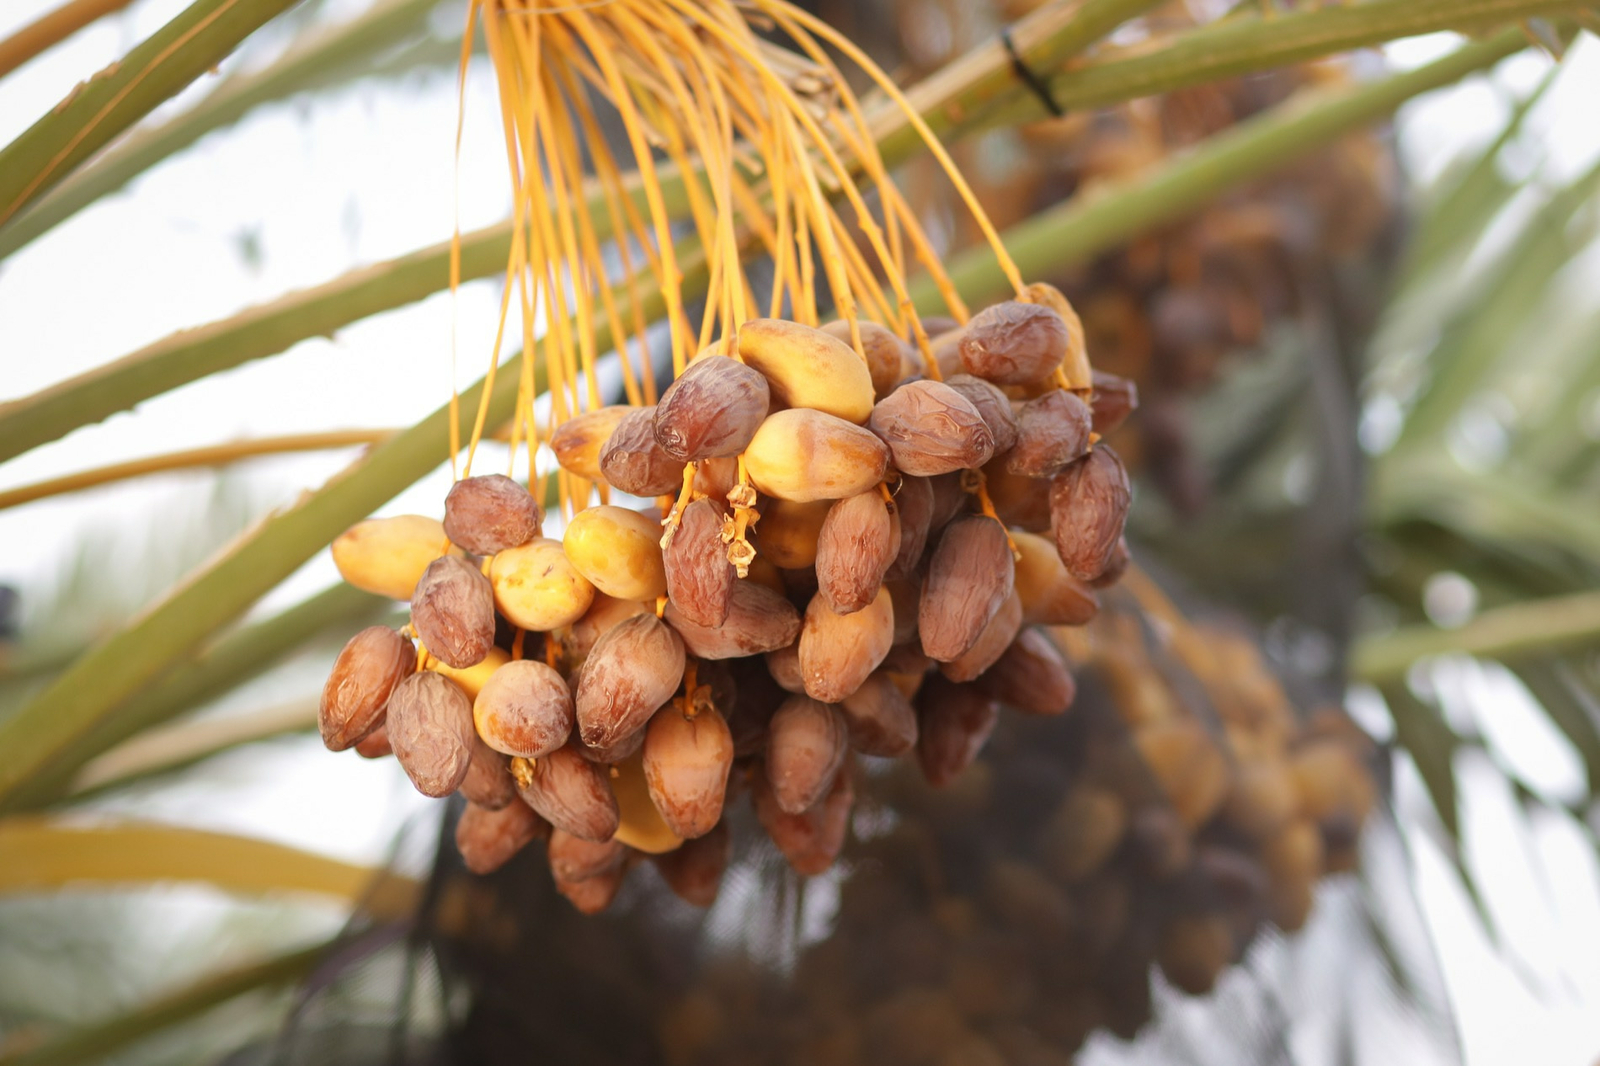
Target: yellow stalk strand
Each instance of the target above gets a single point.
(861, 276)
(595, 264)
(672, 278)
(720, 170)
(455, 233)
(191, 459)
(843, 300)
(618, 206)
(862, 145)
(482, 415)
(561, 153)
(805, 306)
(913, 116)
(525, 391)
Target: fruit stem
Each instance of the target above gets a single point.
(743, 498)
(675, 515)
(976, 483)
(516, 643)
(215, 455)
(690, 711)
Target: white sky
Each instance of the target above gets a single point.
(365, 173)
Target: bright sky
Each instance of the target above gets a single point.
(299, 193)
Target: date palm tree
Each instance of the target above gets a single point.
(1471, 527)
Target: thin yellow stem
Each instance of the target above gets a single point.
(672, 278)
(51, 29)
(913, 116)
(191, 459)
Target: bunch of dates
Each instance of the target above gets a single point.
(852, 551)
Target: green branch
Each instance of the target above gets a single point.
(965, 95)
(1509, 632)
(46, 855)
(225, 664)
(197, 40)
(1080, 228)
(256, 332)
(1233, 47)
(326, 56)
(166, 749)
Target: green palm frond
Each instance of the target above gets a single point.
(391, 38)
(117, 97)
(1484, 377)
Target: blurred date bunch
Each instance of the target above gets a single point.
(826, 574)
(1178, 812)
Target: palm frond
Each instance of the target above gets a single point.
(389, 39)
(113, 100)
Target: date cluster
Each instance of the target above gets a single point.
(855, 550)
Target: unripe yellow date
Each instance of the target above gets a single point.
(386, 556)
(618, 551)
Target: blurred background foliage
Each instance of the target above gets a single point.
(1390, 471)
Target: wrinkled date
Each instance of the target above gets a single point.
(570, 792)
(914, 501)
(524, 709)
(955, 723)
(633, 670)
(881, 720)
(700, 579)
(357, 690)
(578, 442)
(712, 410)
(1014, 343)
(990, 645)
(430, 728)
(931, 429)
(855, 546)
(686, 764)
(759, 620)
(489, 514)
(969, 577)
(1052, 431)
(839, 651)
(809, 839)
(806, 744)
(1032, 677)
(632, 460)
(452, 611)
(1088, 507)
(992, 405)
(487, 839)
